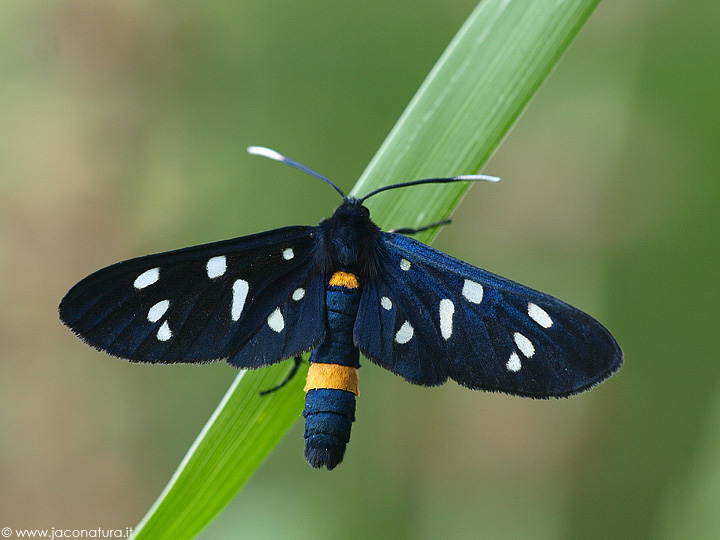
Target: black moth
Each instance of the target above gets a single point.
(339, 289)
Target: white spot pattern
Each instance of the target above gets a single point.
(539, 315)
(405, 264)
(164, 333)
(405, 333)
(447, 308)
(386, 303)
(147, 278)
(288, 254)
(156, 312)
(240, 291)
(276, 321)
(524, 344)
(216, 266)
(472, 291)
(298, 294)
(513, 364)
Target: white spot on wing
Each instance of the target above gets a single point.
(513, 364)
(240, 291)
(216, 266)
(472, 291)
(386, 303)
(147, 278)
(288, 254)
(405, 264)
(164, 333)
(298, 294)
(276, 321)
(156, 312)
(447, 308)
(539, 315)
(405, 333)
(524, 344)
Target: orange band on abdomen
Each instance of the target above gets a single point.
(344, 279)
(332, 376)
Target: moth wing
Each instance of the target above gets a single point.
(252, 301)
(428, 317)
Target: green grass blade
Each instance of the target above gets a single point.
(462, 111)
(234, 442)
(467, 104)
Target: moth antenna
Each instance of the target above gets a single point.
(461, 178)
(277, 156)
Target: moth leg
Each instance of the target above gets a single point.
(425, 228)
(293, 371)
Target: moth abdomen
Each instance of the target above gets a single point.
(332, 382)
(329, 414)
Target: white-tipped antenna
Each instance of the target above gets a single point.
(476, 177)
(277, 156)
(461, 178)
(267, 152)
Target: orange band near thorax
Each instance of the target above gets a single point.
(344, 279)
(332, 376)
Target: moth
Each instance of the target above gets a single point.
(341, 289)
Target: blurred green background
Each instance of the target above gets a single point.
(122, 132)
